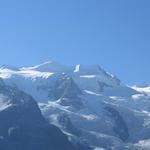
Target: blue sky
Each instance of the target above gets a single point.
(112, 33)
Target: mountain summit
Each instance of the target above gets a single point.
(92, 107)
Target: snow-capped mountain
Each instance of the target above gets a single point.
(22, 125)
(40, 79)
(88, 104)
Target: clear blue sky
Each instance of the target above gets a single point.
(112, 33)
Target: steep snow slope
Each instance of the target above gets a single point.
(23, 127)
(142, 89)
(39, 80)
(47, 67)
(87, 103)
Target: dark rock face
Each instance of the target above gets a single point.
(73, 103)
(65, 87)
(83, 146)
(102, 86)
(120, 127)
(68, 92)
(22, 127)
(66, 123)
(1, 82)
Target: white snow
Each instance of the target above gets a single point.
(90, 117)
(143, 145)
(49, 66)
(56, 104)
(137, 96)
(6, 73)
(88, 76)
(4, 102)
(92, 93)
(99, 148)
(36, 66)
(10, 130)
(145, 90)
(35, 74)
(77, 68)
(38, 81)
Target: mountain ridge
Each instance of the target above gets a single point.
(88, 104)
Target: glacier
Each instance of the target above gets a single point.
(88, 104)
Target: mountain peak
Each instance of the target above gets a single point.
(9, 67)
(49, 66)
(88, 69)
(91, 70)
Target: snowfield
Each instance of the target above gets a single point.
(87, 103)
